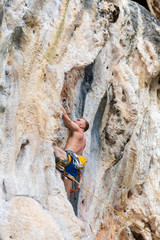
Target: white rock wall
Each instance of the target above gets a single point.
(101, 60)
(154, 6)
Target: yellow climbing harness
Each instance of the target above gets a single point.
(73, 179)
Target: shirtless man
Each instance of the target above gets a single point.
(76, 143)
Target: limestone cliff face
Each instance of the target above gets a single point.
(101, 59)
(154, 6)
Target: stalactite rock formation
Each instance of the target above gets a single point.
(101, 60)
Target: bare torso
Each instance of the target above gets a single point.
(76, 142)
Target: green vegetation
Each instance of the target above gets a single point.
(52, 51)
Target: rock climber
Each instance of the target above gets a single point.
(69, 160)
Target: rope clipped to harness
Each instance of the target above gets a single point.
(75, 190)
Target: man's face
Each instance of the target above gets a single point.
(80, 122)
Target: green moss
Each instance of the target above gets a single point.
(52, 51)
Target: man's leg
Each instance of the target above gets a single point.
(68, 186)
(59, 152)
(61, 157)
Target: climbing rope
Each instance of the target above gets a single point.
(114, 209)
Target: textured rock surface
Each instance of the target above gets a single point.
(101, 60)
(154, 6)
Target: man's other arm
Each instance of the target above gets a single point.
(68, 122)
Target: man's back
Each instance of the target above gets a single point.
(76, 142)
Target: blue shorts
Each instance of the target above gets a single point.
(72, 168)
(71, 165)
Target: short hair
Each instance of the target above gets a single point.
(86, 124)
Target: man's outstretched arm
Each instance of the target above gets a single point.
(68, 122)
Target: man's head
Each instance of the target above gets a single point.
(82, 123)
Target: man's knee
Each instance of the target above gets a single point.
(59, 152)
